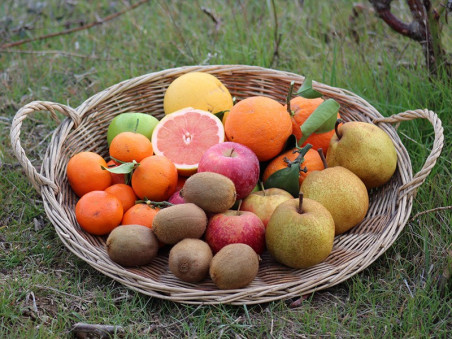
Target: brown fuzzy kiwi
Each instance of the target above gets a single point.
(234, 266)
(132, 245)
(189, 260)
(211, 191)
(177, 222)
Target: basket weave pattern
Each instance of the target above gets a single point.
(85, 128)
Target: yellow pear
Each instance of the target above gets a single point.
(300, 233)
(342, 193)
(366, 150)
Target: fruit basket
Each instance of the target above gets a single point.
(84, 129)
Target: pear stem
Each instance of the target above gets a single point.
(300, 202)
(322, 156)
(338, 121)
(238, 207)
(261, 184)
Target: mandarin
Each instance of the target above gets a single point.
(302, 108)
(140, 214)
(260, 123)
(124, 193)
(98, 212)
(85, 174)
(155, 178)
(312, 162)
(129, 146)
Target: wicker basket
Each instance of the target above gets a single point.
(85, 127)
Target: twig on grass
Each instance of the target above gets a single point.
(64, 53)
(76, 29)
(83, 330)
(211, 15)
(442, 208)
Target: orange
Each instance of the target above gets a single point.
(184, 136)
(260, 123)
(302, 108)
(115, 178)
(312, 162)
(98, 212)
(124, 193)
(85, 173)
(140, 214)
(129, 146)
(155, 178)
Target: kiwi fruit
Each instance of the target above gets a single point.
(234, 266)
(177, 222)
(213, 192)
(132, 245)
(189, 260)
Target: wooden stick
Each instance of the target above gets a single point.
(76, 29)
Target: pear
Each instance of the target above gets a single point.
(366, 150)
(342, 193)
(300, 233)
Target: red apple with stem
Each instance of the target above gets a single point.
(235, 161)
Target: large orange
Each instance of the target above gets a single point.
(85, 173)
(302, 108)
(98, 212)
(312, 162)
(155, 178)
(260, 123)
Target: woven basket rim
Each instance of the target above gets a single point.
(90, 249)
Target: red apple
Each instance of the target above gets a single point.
(263, 203)
(235, 227)
(176, 198)
(235, 161)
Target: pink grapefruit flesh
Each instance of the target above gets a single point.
(184, 136)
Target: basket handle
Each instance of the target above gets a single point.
(37, 180)
(409, 188)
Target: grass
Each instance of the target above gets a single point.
(45, 289)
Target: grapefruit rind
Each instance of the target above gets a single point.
(183, 136)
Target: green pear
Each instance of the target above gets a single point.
(342, 193)
(366, 150)
(300, 233)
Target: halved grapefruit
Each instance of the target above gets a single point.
(184, 136)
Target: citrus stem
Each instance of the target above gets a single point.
(336, 126)
(289, 97)
(161, 204)
(322, 156)
(300, 203)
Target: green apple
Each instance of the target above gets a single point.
(132, 122)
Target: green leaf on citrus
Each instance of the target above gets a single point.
(321, 120)
(306, 90)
